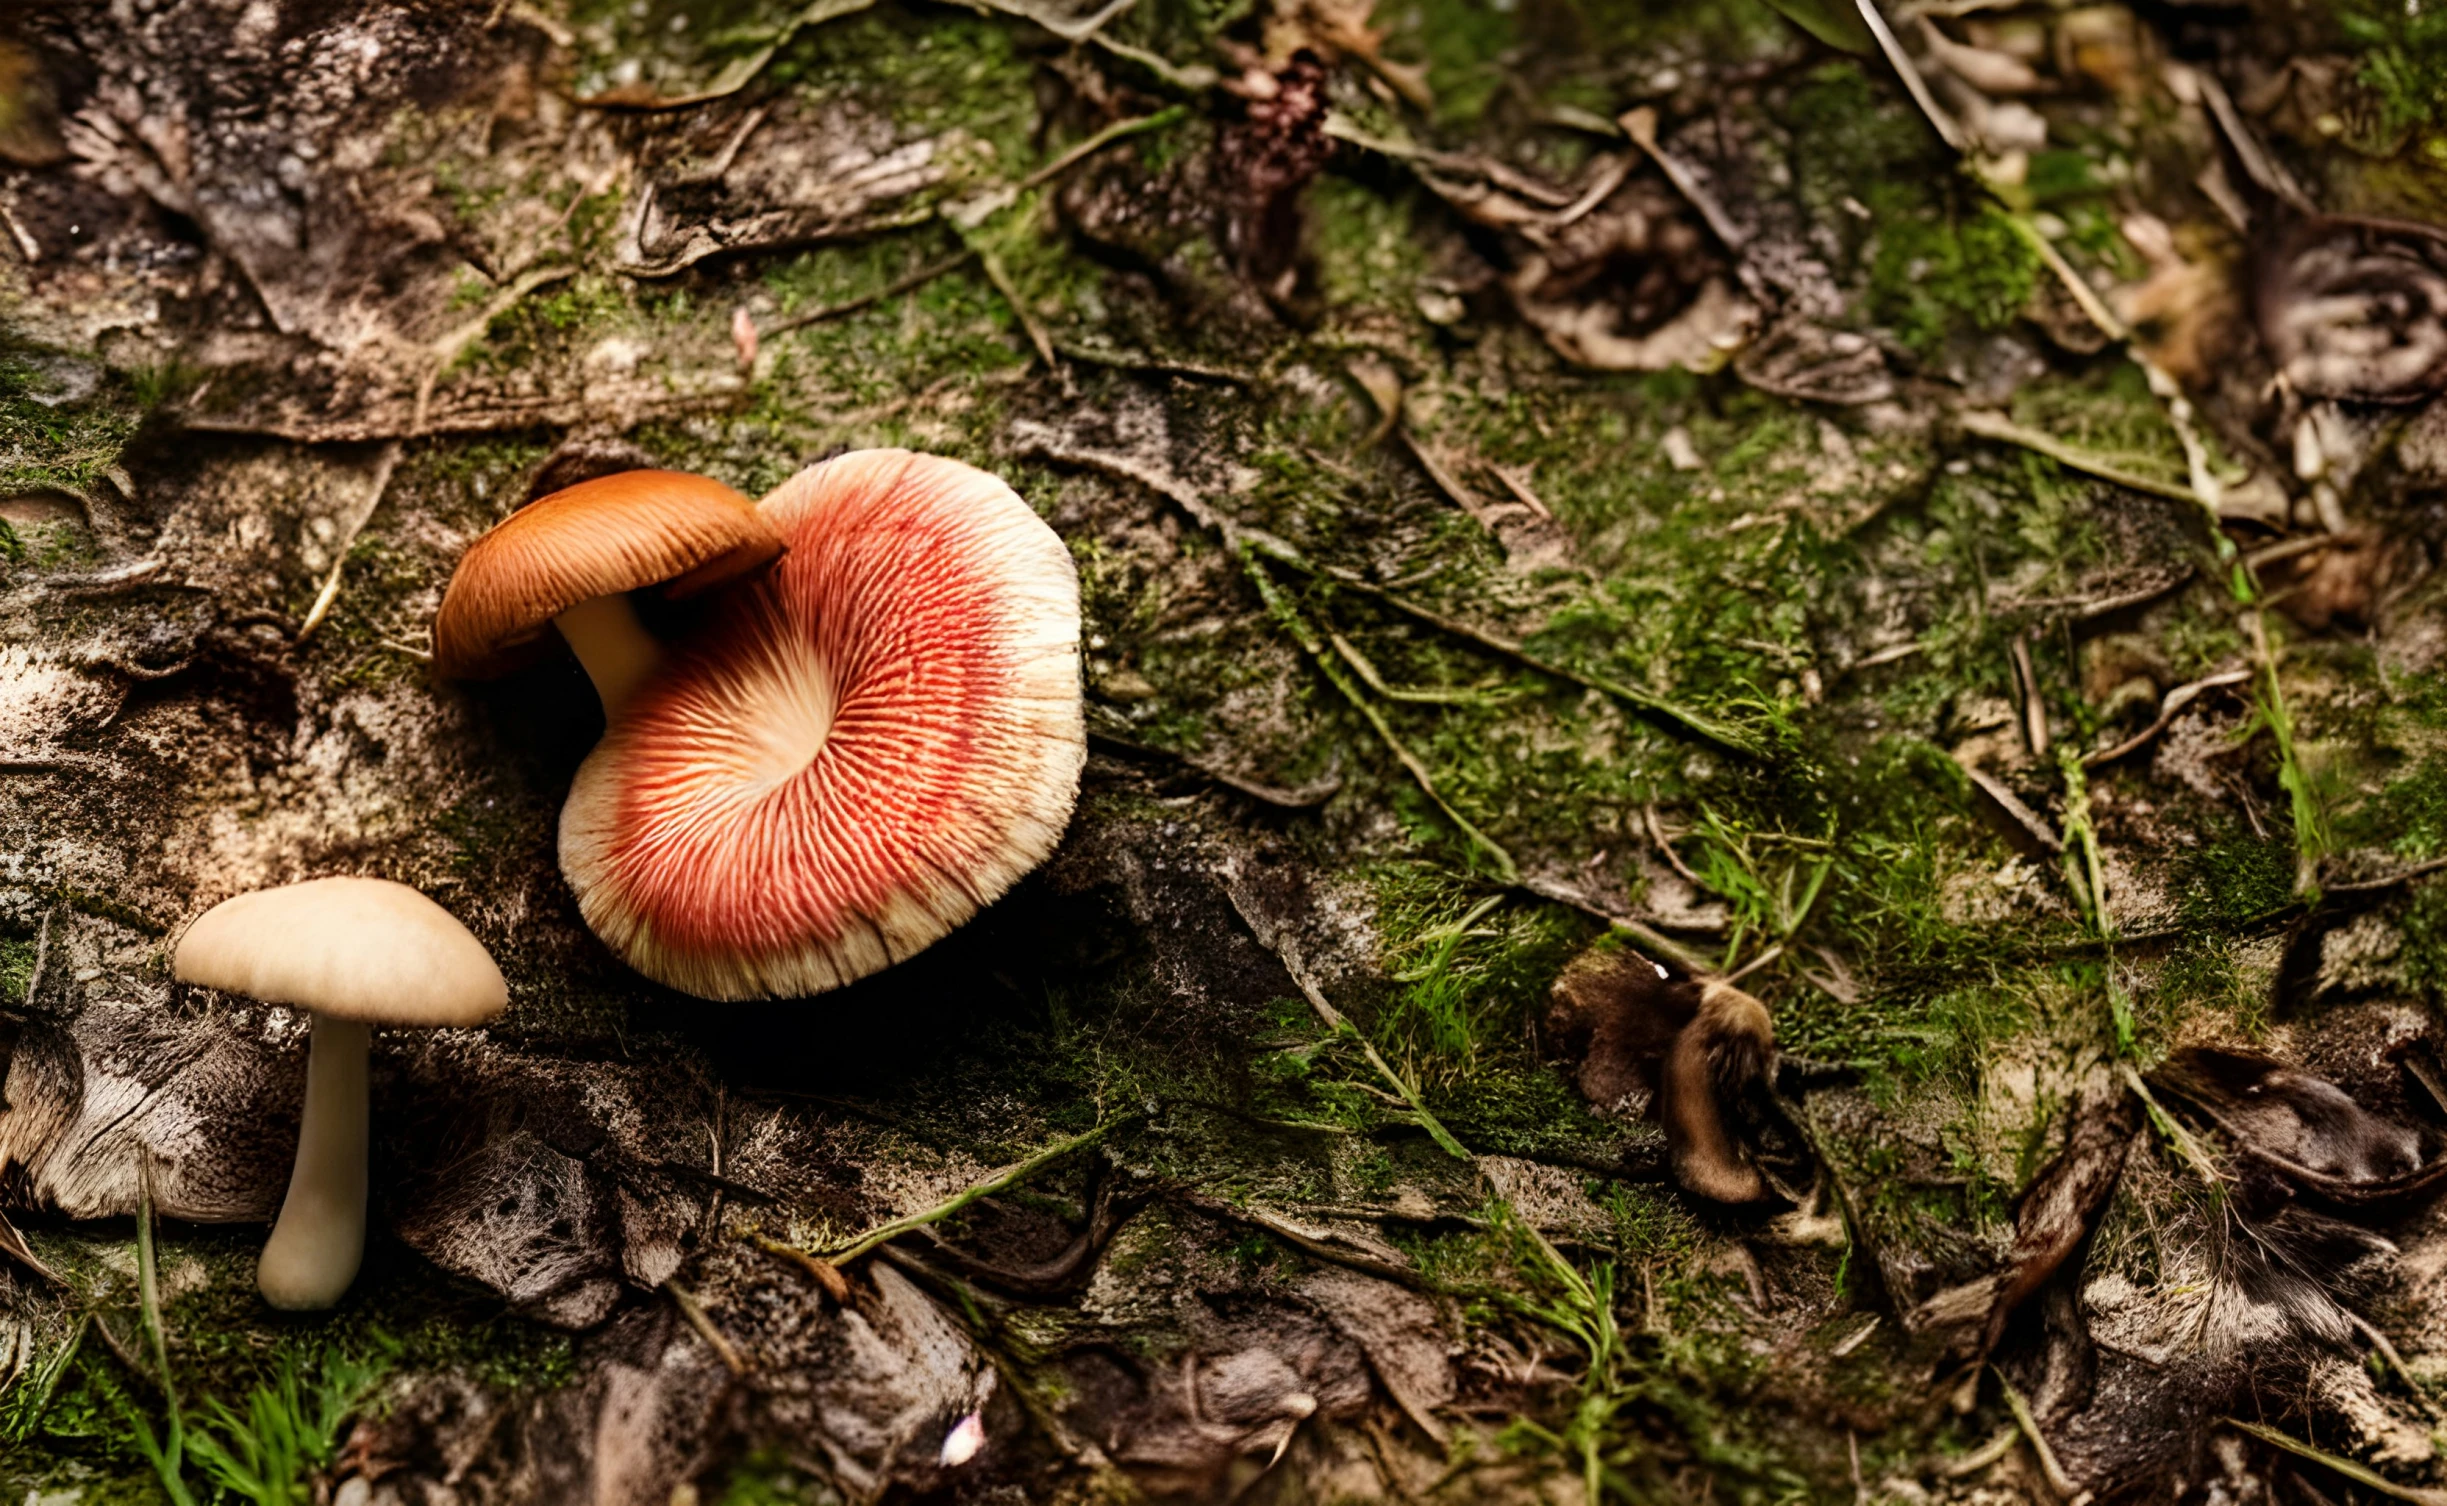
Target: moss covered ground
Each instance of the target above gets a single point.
(1843, 590)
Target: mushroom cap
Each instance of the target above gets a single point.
(612, 534)
(357, 948)
(855, 753)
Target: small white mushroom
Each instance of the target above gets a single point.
(354, 953)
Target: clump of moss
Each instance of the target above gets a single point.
(2235, 876)
(1939, 274)
(1942, 259)
(2404, 61)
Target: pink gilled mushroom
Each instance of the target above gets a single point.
(855, 753)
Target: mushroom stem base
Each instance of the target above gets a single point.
(615, 649)
(315, 1248)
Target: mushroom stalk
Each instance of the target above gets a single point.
(613, 646)
(314, 1250)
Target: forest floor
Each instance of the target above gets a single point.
(1936, 527)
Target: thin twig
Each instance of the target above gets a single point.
(1998, 426)
(2388, 881)
(825, 1274)
(2260, 559)
(694, 1312)
(1306, 797)
(2057, 1479)
(1287, 952)
(2360, 1474)
(718, 169)
(1289, 616)
(1236, 536)
(1948, 131)
(1010, 1177)
(1000, 276)
(1308, 1240)
(323, 599)
(1690, 721)
(892, 289)
(1982, 1457)
(1641, 126)
(1518, 485)
(1370, 677)
(1656, 834)
(2034, 709)
(2378, 1340)
(2168, 709)
(1120, 130)
(453, 343)
(1638, 930)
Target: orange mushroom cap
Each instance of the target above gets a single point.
(613, 534)
(855, 753)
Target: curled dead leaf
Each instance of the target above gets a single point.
(2355, 310)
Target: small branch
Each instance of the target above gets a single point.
(1369, 677)
(2378, 1341)
(2388, 881)
(1518, 485)
(1000, 276)
(2057, 1479)
(720, 168)
(1305, 797)
(892, 289)
(694, 1312)
(1288, 616)
(1638, 930)
(1340, 1024)
(1982, 1457)
(1998, 426)
(2360, 1474)
(1689, 721)
(330, 593)
(1944, 124)
(2034, 709)
(1656, 834)
(824, 1273)
(1235, 536)
(1308, 1241)
(1012, 1177)
(1641, 126)
(2168, 709)
(1120, 130)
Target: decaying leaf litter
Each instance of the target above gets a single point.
(1932, 519)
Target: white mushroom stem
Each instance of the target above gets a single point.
(613, 646)
(313, 1253)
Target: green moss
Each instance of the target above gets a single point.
(2403, 64)
(1367, 243)
(61, 444)
(1482, 54)
(1469, 971)
(16, 969)
(103, 907)
(2425, 938)
(2235, 875)
(1942, 273)
(2408, 815)
(769, 1478)
(1941, 259)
